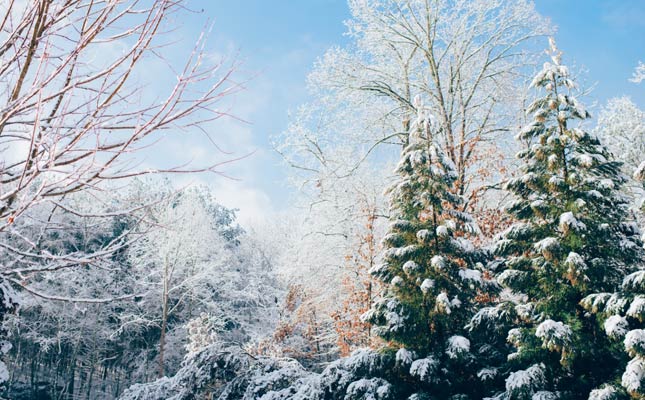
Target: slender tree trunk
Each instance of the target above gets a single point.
(33, 374)
(70, 385)
(89, 382)
(162, 342)
(117, 385)
(164, 320)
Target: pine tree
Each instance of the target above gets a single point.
(429, 270)
(574, 237)
(623, 316)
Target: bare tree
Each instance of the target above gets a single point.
(639, 73)
(463, 57)
(177, 263)
(74, 111)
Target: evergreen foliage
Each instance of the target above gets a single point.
(430, 270)
(574, 237)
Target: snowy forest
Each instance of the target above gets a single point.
(465, 222)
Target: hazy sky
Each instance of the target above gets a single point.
(279, 40)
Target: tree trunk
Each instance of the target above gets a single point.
(89, 381)
(164, 320)
(162, 341)
(70, 385)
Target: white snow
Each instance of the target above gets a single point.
(555, 335)
(616, 303)
(450, 224)
(568, 221)
(544, 395)
(464, 244)
(391, 238)
(394, 320)
(10, 297)
(635, 342)
(616, 326)
(556, 181)
(406, 251)
(368, 389)
(4, 373)
(562, 115)
(486, 374)
(487, 317)
(585, 160)
(635, 281)
(639, 73)
(438, 262)
(634, 375)
(5, 346)
(417, 158)
(443, 303)
(424, 235)
(410, 267)
(404, 356)
(606, 184)
(400, 252)
(529, 177)
(578, 133)
(639, 173)
(525, 310)
(514, 336)
(442, 231)
(425, 369)
(471, 275)
(457, 346)
(576, 261)
(547, 244)
(576, 266)
(552, 160)
(528, 380)
(507, 277)
(377, 269)
(427, 285)
(604, 393)
(397, 280)
(579, 109)
(637, 308)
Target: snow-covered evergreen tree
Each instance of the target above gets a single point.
(574, 237)
(622, 314)
(429, 269)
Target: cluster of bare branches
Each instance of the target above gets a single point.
(74, 111)
(466, 59)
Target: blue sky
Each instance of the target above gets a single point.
(279, 40)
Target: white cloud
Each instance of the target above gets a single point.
(254, 205)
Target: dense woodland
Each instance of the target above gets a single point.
(464, 227)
